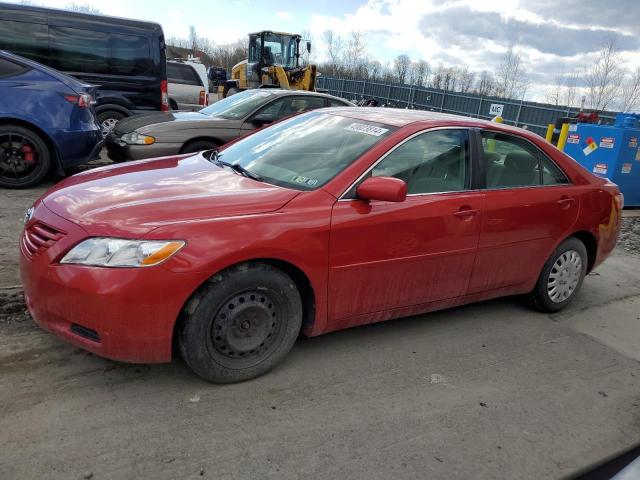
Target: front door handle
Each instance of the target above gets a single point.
(565, 202)
(466, 213)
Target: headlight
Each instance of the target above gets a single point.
(135, 138)
(116, 252)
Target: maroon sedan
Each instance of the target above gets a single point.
(332, 219)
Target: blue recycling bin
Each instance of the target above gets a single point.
(610, 151)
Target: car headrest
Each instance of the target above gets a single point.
(520, 162)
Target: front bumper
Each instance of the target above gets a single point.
(125, 314)
(119, 151)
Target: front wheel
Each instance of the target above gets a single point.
(561, 277)
(241, 324)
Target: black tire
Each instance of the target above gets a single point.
(233, 91)
(241, 323)
(198, 146)
(108, 120)
(173, 105)
(25, 158)
(541, 296)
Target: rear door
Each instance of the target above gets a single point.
(529, 205)
(386, 255)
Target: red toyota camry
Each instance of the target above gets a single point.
(332, 219)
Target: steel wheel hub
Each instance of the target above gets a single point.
(245, 326)
(107, 125)
(564, 276)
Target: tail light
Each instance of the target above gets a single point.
(203, 98)
(84, 100)
(619, 200)
(164, 96)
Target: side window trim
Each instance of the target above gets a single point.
(539, 155)
(349, 193)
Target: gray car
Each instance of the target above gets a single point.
(161, 134)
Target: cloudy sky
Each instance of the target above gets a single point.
(554, 36)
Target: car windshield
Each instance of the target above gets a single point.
(238, 105)
(306, 151)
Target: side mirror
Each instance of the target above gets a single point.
(308, 47)
(262, 119)
(386, 189)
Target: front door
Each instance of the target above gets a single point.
(386, 255)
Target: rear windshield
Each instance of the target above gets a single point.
(239, 105)
(306, 151)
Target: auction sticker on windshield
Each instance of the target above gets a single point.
(368, 129)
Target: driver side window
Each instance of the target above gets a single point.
(432, 162)
(290, 105)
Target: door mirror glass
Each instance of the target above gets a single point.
(386, 189)
(262, 119)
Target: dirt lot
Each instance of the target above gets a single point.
(492, 390)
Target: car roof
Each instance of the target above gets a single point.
(399, 117)
(283, 92)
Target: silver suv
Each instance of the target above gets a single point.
(186, 90)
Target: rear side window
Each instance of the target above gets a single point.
(130, 55)
(10, 69)
(183, 74)
(88, 51)
(336, 103)
(76, 50)
(512, 162)
(26, 39)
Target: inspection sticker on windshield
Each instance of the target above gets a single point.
(304, 180)
(368, 129)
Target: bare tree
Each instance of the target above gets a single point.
(510, 76)
(630, 91)
(419, 73)
(374, 69)
(465, 79)
(193, 39)
(486, 84)
(554, 92)
(83, 8)
(306, 56)
(401, 66)
(604, 77)
(355, 55)
(334, 48)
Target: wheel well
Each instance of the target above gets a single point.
(590, 243)
(173, 104)
(298, 276)
(55, 164)
(112, 107)
(199, 139)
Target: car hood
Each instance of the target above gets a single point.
(132, 199)
(169, 122)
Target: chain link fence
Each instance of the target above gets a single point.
(535, 116)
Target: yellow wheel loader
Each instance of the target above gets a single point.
(274, 62)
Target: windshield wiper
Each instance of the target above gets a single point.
(215, 158)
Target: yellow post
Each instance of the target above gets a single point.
(562, 139)
(549, 134)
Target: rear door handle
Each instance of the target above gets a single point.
(565, 202)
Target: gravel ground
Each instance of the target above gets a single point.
(629, 240)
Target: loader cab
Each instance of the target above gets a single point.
(271, 48)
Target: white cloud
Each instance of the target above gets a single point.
(282, 15)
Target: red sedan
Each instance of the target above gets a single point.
(332, 219)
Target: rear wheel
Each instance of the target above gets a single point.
(561, 277)
(241, 323)
(24, 157)
(198, 146)
(108, 120)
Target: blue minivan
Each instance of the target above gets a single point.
(47, 122)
